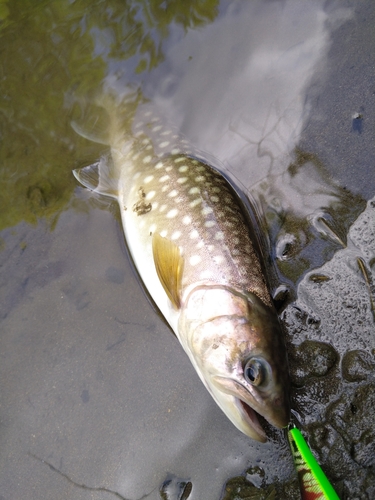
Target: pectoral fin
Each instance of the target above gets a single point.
(169, 265)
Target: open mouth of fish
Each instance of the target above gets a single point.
(252, 418)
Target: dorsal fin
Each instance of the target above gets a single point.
(169, 265)
(100, 177)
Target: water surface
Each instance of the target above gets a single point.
(98, 400)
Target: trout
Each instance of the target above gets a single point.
(196, 255)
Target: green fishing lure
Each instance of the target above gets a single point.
(314, 484)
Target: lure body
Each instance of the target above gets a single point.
(314, 484)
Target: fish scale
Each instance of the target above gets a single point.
(192, 204)
(194, 251)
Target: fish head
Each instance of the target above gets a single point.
(235, 343)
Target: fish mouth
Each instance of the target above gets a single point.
(238, 404)
(251, 418)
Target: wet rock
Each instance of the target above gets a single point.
(175, 488)
(339, 463)
(239, 488)
(357, 365)
(319, 278)
(352, 416)
(280, 296)
(363, 452)
(311, 359)
(321, 438)
(255, 476)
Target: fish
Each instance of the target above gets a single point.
(197, 256)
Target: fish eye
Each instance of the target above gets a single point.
(256, 371)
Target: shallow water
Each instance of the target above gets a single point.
(98, 399)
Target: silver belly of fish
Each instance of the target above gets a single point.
(195, 254)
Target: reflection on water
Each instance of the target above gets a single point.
(94, 383)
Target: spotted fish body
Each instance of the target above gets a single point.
(188, 237)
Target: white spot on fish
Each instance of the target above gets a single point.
(183, 168)
(176, 150)
(200, 244)
(148, 179)
(235, 251)
(155, 205)
(186, 220)
(214, 198)
(139, 124)
(162, 208)
(206, 211)
(218, 259)
(219, 235)
(168, 169)
(194, 260)
(159, 165)
(194, 190)
(150, 195)
(153, 228)
(147, 159)
(166, 132)
(148, 147)
(137, 134)
(164, 178)
(200, 178)
(157, 128)
(172, 213)
(210, 223)
(182, 180)
(194, 234)
(164, 233)
(164, 144)
(205, 274)
(179, 159)
(195, 202)
(176, 235)
(136, 175)
(173, 193)
(145, 141)
(216, 189)
(200, 169)
(135, 157)
(165, 188)
(236, 241)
